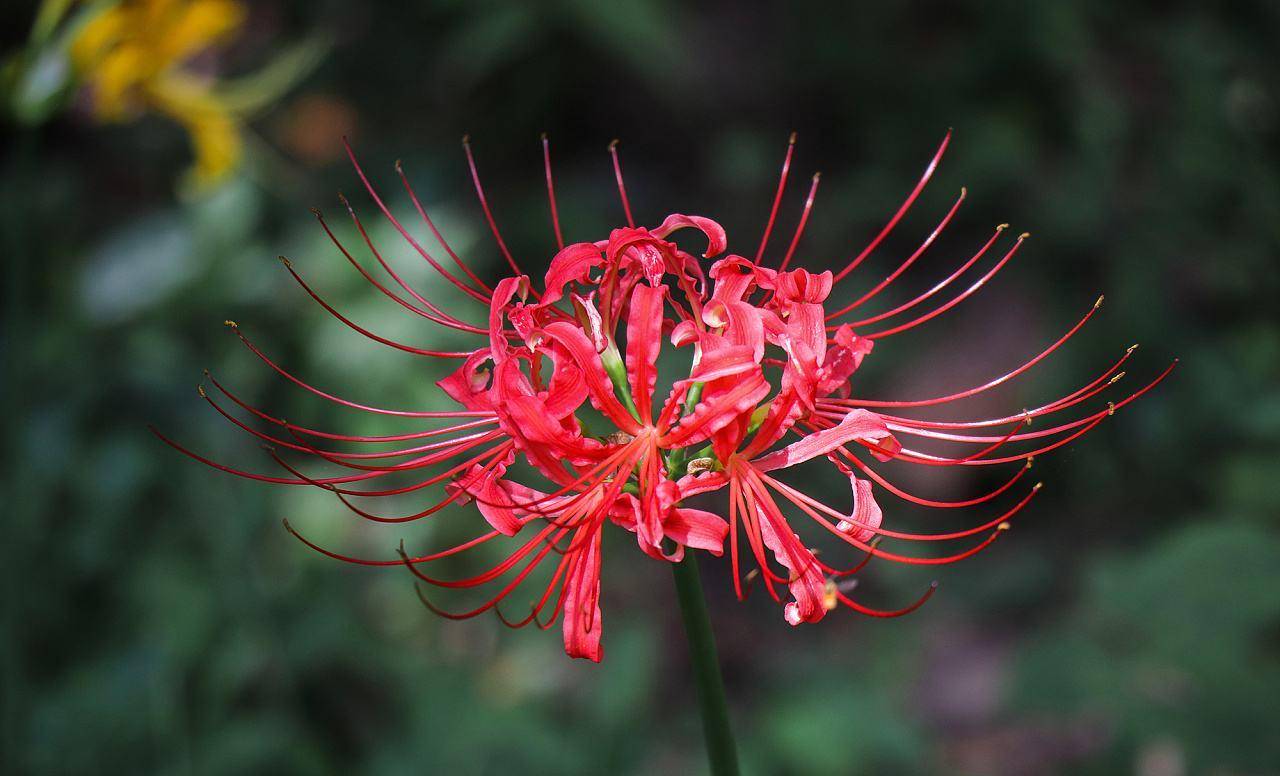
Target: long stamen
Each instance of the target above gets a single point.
(467, 545)
(924, 246)
(984, 387)
(902, 494)
(551, 191)
(422, 211)
(288, 265)
(948, 280)
(386, 212)
(622, 187)
(347, 437)
(777, 197)
(804, 219)
(488, 215)
(1098, 385)
(902, 210)
(870, 612)
(979, 283)
(440, 316)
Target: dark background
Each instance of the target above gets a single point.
(157, 618)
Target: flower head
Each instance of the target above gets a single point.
(562, 387)
(139, 56)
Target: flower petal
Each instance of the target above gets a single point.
(857, 425)
(572, 264)
(697, 529)
(582, 623)
(716, 239)
(644, 340)
(599, 388)
(866, 514)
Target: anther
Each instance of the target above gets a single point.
(1038, 486)
(1031, 460)
(1002, 527)
(1001, 227)
(466, 139)
(399, 166)
(613, 144)
(1117, 377)
(1024, 235)
(1098, 303)
(230, 323)
(285, 261)
(200, 390)
(792, 140)
(1132, 348)
(1111, 408)
(700, 465)
(315, 211)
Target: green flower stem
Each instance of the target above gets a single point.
(706, 668)
(617, 371)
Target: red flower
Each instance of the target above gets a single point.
(768, 387)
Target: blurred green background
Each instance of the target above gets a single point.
(158, 619)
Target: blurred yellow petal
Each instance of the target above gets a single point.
(197, 26)
(214, 132)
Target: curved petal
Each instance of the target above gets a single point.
(716, 239)
(697, 529)
(644, 341)
(857, 425)
(573, 264)
(582, 623)
(599, 388)
(865, 516)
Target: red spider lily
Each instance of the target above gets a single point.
(768, 387)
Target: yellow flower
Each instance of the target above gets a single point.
(134, 57)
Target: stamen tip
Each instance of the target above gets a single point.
(1031, 460)
(230, 324)
(613, 144)
(1004, 526)
(817, 176)
(1098, 303)
(792, 139)
(200, 390)
(543, 137)
(1111, 408)
(1024, 235)
(399, 167)
(285, 261)
(466, 140)
(1037, 486)
(964, 191)
(1001, 227)
(1116, 378)
(315, 211)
